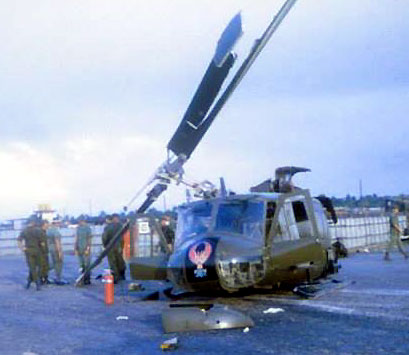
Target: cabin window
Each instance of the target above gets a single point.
(300, 212)
(286, 229)
(301, 217)
(243, 217)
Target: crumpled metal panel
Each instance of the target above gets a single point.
(206, 317)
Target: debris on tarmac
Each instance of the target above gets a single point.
(273, 310)
(185, 317)
(170, 344)
(122, 318)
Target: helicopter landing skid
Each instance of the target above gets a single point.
(315, 290)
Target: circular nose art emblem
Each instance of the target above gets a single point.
(199, 253)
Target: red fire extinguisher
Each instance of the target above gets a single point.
(108, 280)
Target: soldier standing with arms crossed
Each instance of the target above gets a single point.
(115, 259)
(29, 242)
(82, 248)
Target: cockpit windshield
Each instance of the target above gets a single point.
(192, 220)
(241, 216)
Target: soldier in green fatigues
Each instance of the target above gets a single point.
(29, 241)
(55, 248)
(45, 267)
(395, 233)
(167, 231)
(115, 259)
(83, 242)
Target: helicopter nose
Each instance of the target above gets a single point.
(194, 266)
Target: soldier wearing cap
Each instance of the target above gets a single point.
(115, 259)
(395, 233)
(82, 248)
(167, 231)
(55, 248)
(29, 241)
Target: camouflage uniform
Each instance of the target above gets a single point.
(83, 248)
(54, 239)
(32, 237)
(115, 259)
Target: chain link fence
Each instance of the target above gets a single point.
(363, 231)
(8, 240)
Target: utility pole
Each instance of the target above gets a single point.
(360, 189)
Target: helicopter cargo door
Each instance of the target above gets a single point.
(148, 250)
(294, 246)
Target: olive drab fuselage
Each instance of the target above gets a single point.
(260, 240)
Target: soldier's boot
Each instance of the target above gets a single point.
(27, 286)
(386, 257)
(38, 287)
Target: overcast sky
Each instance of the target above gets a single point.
(92, 91)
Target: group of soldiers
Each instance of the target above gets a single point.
(37, 241)
(41, 242)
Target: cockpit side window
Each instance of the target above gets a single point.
(193, 220)
(242, 217)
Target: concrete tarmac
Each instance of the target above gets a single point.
(368, 315)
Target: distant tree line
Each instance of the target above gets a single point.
(102, 216)
(367, 201)
(348, 201)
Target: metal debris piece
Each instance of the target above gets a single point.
(273, 310)
(170, 344)
(202, 317)
(122, 318)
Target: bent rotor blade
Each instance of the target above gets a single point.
(197, 134)
(153, 194)
(208, 90)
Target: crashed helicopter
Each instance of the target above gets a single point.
(276, 234)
